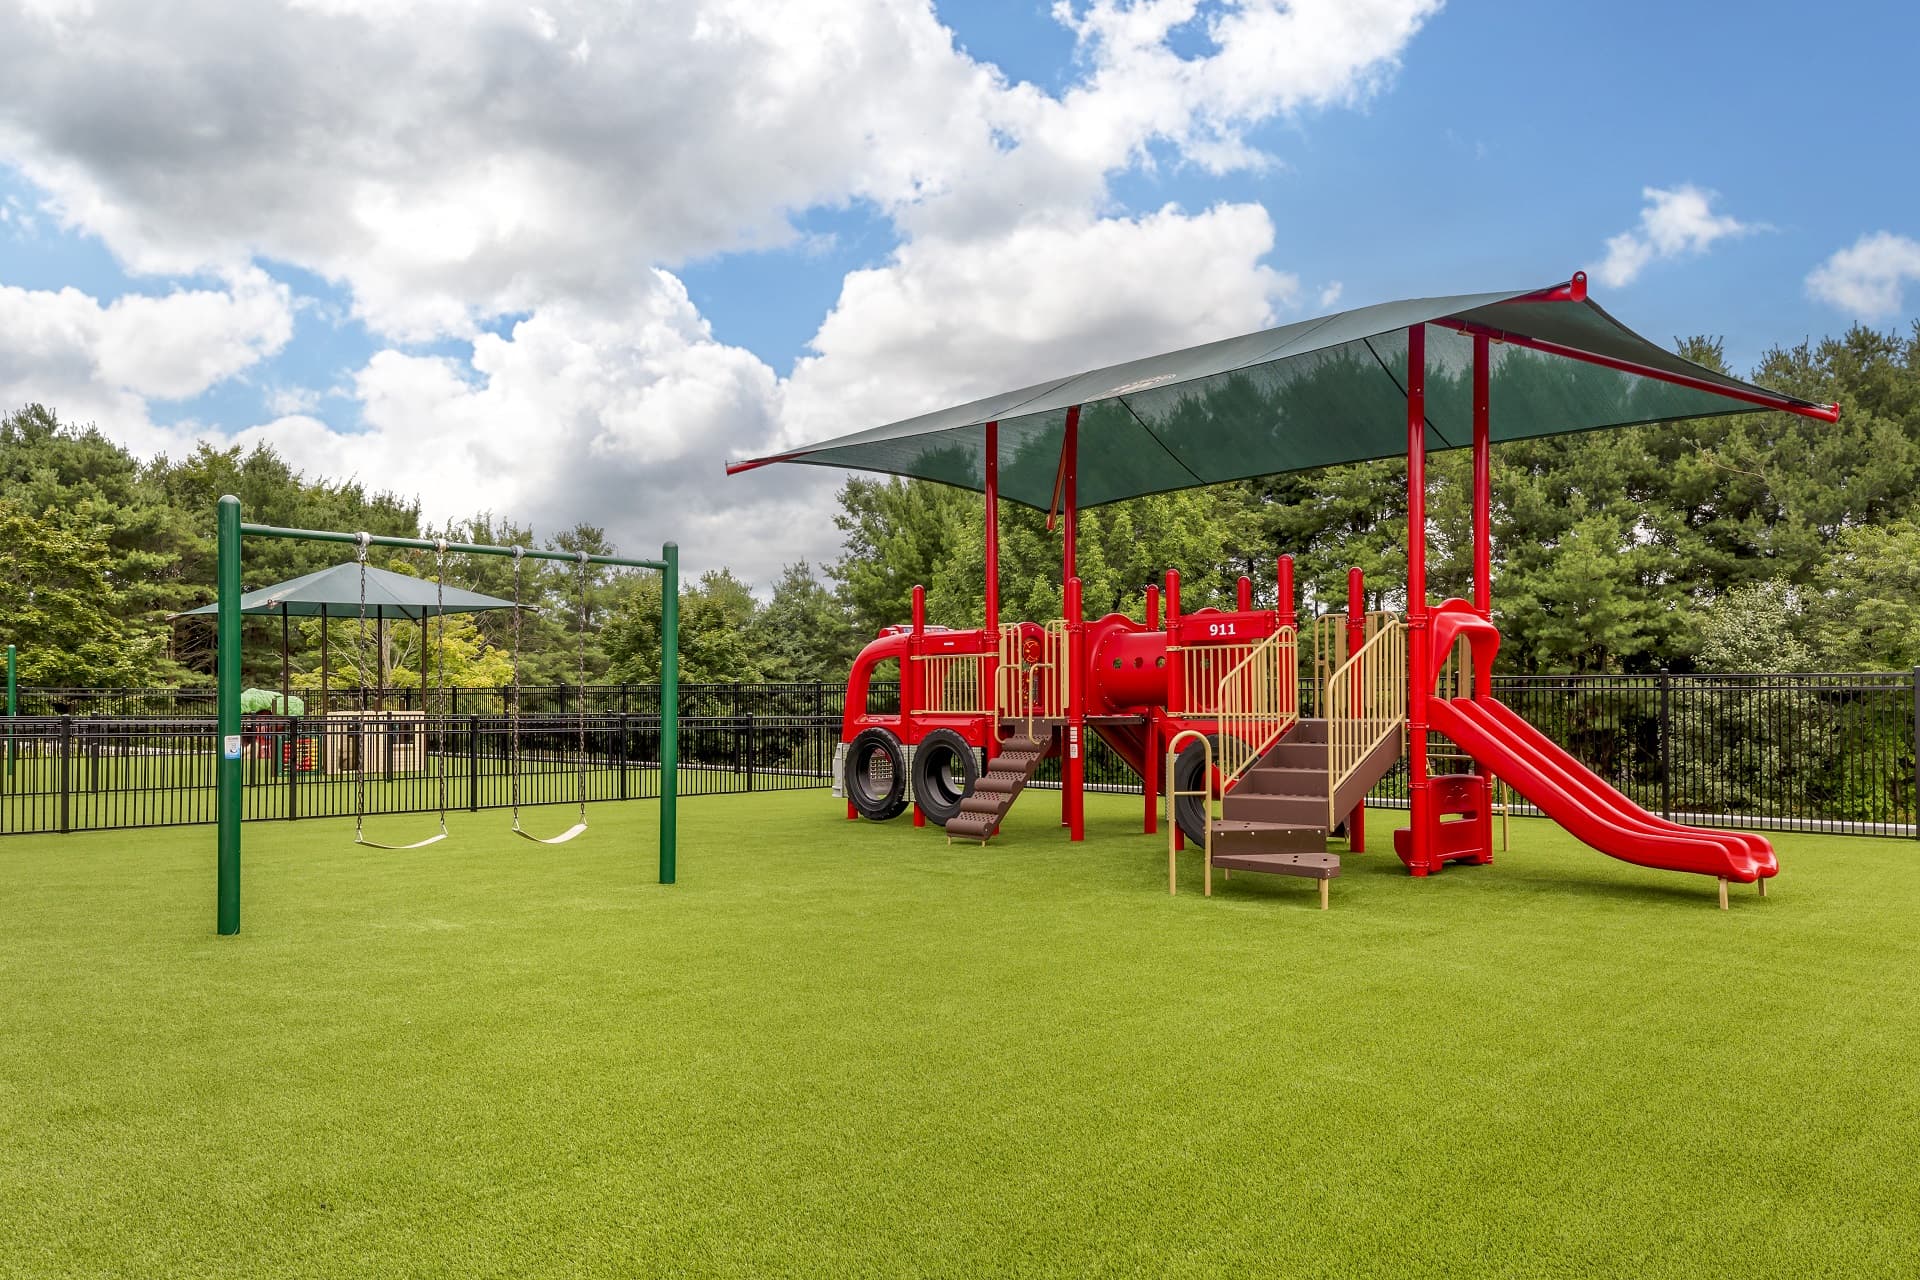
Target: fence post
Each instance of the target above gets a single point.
(748, 745)
(290, 761)
(624, 731)
(1916, 753)
(1666, 744)
(66, 772)
(473, 764)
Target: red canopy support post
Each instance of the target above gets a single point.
(1283, 584)
(1150, 776)
(993, 532)
(1482, 481)
(1175, 703)
(1073, 798)
(1356, 636)
(1482, 477)
(1070, 493)
(1243, 594)
(1420, 801)
(1069, 584)
(910, 677)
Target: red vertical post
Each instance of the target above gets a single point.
(1174, 704)
(1070, 521)
(1073, 798)
(1150, 777)
(1420, 834)
(1356, 636)
(911, 677)
(1482, 487)
(993, 532)
(1243, 594)
(1070, 492)
(1283, 584)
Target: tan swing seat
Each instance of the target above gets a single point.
(577, 828)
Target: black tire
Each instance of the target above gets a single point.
(876, 775)
(945, 768)
(1190, 812)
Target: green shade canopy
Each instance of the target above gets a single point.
(1304, 395)
(335, 593)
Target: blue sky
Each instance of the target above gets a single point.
(1492, 145)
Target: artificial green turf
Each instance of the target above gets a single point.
(851, 1049)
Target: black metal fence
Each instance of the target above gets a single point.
(728, 699)
(68, 773)
(1816, 752)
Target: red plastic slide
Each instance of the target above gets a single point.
(1582, 802)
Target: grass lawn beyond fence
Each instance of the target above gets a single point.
(842, 1049)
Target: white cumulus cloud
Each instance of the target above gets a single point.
(449, 163)
(945, 322)
(1866, 279)
(104, 362)
(1673, 222)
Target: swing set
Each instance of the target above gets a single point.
(231, 533)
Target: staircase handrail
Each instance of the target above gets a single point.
(1330, 646)
(1374, 677)
(1259, 700)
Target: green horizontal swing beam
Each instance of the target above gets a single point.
(428, 544)
(231, 531)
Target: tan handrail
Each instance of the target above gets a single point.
(1365, 703)
(1173, 796)
(1330, 649)
(1258, 701)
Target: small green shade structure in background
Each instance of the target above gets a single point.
(1309, 394)
(253, 700)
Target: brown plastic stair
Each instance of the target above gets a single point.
(1007, 775)
(1275, 820)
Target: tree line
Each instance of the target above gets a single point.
(1761, 541)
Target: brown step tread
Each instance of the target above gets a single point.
(1310, 866)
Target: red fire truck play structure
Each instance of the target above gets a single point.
(980, 709)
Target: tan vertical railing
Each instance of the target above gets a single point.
(1331, 651)
(1032, 690)
(1365, 699)
(953, 683)
(1203, 669)
(1455, 677)
(1258, 700)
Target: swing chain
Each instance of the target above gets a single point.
(361, 541)
(440, 656)
(580, 781)
(513, 732)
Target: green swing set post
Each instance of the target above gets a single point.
(13, 702)
(231, 532)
